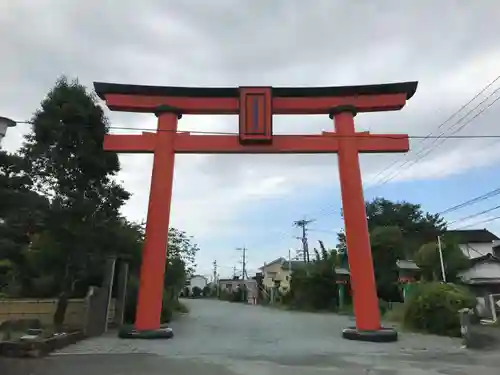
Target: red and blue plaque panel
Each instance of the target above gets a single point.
(256, 115)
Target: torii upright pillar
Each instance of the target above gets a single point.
(356, 228)
(149, 301)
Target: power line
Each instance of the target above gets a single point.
(430, 135)
(469, 202)
(215, 272)
(481, 222)
(244, 262)
(360, 135)
(475, 215)
(305, 245)
(443, 139)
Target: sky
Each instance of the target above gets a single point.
(231, 201)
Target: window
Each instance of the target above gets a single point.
(287, 278)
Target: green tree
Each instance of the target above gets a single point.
(23, 213)
(180, 264)
(417, 226)
(314, 286)
(68, 164)
(197, 292)
(387, 245)
(428, 259)
(206, 291)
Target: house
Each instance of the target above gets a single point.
(483, 278)
(231, 285)
(196, 281)
(475, 243)
(408, 271)
(278, 273)
(496, 248)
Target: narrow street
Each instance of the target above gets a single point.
(229, 339)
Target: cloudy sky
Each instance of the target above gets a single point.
(225, 202)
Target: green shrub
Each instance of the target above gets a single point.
(433, 308)
(197, 291)
(131, 303)
(179, 307)
(225, 295)
(395, 313)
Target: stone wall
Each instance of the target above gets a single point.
(43, 310)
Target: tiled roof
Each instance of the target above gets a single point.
(278, 260)
(485, 258)
(473, 236)
(407, 264)
(342, 271)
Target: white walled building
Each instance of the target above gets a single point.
(197, 281)
(475, 243)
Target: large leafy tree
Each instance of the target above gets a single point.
(180, 265)
(68, 164)
(397, 231)
(387, 245)
(428, 259)
(417, 227)
(22, 214)
(314, 285)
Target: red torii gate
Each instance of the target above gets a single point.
(256, 107)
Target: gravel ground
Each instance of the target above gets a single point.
(232, 339)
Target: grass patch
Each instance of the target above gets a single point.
(395, 314)
(180, 308)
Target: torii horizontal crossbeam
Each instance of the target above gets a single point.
(185, 143)
(225, 100)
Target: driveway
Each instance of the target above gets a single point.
(232, 339)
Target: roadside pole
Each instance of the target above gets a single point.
(441, 259)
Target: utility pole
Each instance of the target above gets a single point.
(441, 259)
(305, 246)
(234, 272)
(215, 272)
(243, 263)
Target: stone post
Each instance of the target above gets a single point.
(121, 293)
(465, 326)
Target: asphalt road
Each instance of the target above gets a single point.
(220, 338)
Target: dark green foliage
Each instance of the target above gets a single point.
(238, 295)
(206, 291)
(67, 162)
(397, 231)
(225, 295)
(417, 226)
(197, 292)
(427, 258)
(131, 303)
(23, 213)
(60, 209)
(314, 286)
(181, 251)
(387, 247)
(433, 308)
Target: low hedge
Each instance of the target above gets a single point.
(433, 308)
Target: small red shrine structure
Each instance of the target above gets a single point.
(255, 107)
